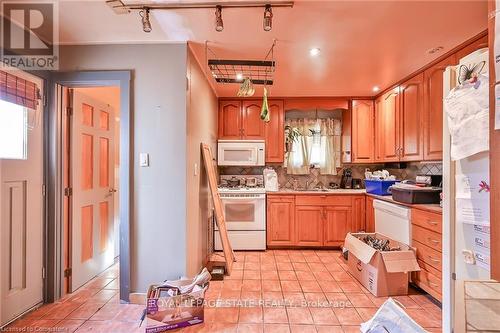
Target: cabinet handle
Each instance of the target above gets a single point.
(433, 284)
(434, 241)
(431, 222)
(434, 259)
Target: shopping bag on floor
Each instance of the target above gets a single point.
(391, 318)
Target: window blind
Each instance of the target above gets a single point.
(19, 91)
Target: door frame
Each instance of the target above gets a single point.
(55, 239)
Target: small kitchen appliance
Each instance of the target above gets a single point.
(241, 153)
(346, 181)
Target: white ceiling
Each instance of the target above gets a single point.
(363, 43)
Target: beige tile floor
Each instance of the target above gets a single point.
(272, 291)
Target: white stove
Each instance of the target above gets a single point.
(245, 213)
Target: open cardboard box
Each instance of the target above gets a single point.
(383, 273)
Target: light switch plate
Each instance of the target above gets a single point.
(144, 159)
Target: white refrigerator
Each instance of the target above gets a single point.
(465, 183)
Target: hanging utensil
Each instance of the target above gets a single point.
(246, 88)
(264, 113)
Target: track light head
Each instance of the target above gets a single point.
(146, 23)
(219, 24)
(268, 18)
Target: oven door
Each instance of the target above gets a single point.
(245, 212)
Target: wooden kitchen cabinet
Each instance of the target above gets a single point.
(240, 120)
(338, 221)
(389, 131)
(363, 115)
(253, 128)
(411, 108)
(433, 110)
(275, 132)
(309, 225)
(281, 220)
(370, 215)
(230, 120)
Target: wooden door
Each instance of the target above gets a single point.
(390, 127)
(280, 220)
(230, 120)
(379, 130)
(338, 222)
(21, 213)
(253, 127)
(309, 225)
(363, 115)
(433, 110)
(411, 99)
(370, 215)
(92, 160)
(275, 133)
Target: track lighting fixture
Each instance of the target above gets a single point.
(146, 23)
(219, 24)
(268, 18)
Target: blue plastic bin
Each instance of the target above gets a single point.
(379, 187)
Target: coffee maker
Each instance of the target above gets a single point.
(346, 181)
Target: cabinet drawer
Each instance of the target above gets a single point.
(428, 278)
(323, 200)
(280, 198)
(427, 220)
(427, 237)
(428, 255)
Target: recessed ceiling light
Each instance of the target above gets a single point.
(239, 76)
(434, 50)
(376, 88)
(314, 51)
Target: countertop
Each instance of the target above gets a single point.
(433, 208)
(340, 191)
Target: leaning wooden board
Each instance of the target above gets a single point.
(219, 214)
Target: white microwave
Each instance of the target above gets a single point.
(241, 152)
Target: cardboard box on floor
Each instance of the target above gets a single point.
(383, 273)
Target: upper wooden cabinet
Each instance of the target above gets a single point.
(363, 114)
(378, 129)
(411, 108)
(240, 120)
(230, 120)
(433, 110)
(253, 128)
(389, 131)
(275, 132)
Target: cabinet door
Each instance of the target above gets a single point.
(358, 213)
(390, 127)
(275, 132)
(362, 131)
(370, 215)
(379, 129)
(281, 220)
(253, 127)
(309, 225)
(338, 222)
(411, 98)
(433, 110)
(230, 120)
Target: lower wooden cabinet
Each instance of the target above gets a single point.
(281, 220)
(309, 222)
(313, 220)
(427, 240)
(370, 215)
(337, 223)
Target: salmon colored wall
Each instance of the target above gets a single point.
(202, 107)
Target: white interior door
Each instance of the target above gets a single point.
(92, 155)
(21, 215)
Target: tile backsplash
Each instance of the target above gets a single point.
(314, 177)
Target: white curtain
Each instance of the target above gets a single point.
(321, 150)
